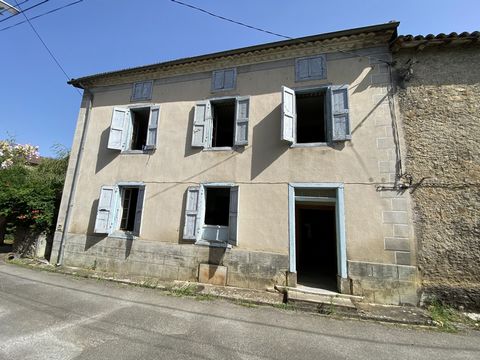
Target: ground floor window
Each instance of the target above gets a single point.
(211, 214)
(120, 209)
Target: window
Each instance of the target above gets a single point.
(142, 90)
(134, 128)
(311, 68)
(120, 208)
(221, 123)
(211, 214)
(315, 116)
(224, 79)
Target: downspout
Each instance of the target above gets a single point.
(66, 222)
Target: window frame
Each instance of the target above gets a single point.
(128, 128)
(200, 216)
(116, 208)
(328, 115)
(142, 98)
(207, 123)
(234, 82)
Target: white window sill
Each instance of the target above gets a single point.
(307, 145)
(120, 234)
(211, 243)
(223, 148)
(137, 152)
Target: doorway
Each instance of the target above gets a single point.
(316, 245)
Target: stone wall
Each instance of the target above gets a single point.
(248, 269)
(439, 97)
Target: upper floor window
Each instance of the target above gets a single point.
(221, 123)
(142, 90)
(315, 116)
(311, 68)
(134, 128)
(224, 79)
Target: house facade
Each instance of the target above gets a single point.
(438, 91)
(273, 164)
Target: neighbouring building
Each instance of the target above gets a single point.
(439, 96)
(272, 164)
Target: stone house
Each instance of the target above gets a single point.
(271, 164)
(438, 92)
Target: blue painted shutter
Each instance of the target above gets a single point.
(104, 218)
(288, 114)
(118, 128)
(138, 211)
(137, 91)
(233, 216)
(339, 113)
(147, 90)
(229, 79)
(316, 67)
(200, 124)
(241, 120)
(152, 127)
(302, 69)
(192, 213)
(218, 80)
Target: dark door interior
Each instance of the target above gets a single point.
(316, 246)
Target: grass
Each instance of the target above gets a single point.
(444, 316)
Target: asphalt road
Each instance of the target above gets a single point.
(53, 316)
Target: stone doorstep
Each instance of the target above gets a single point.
(318, 292)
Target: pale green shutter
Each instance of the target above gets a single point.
(138, 211)
(153, 127)
(339, 113)
(200, 124)
(241, 120)
(288, 114)
(233, 216)
(192, 213)
(118, 128)
(105, 211)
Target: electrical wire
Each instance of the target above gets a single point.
(46, 47)
(267, 31)
(43, 14)
(22, 11)
(20, 3)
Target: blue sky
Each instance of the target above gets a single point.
(38, 107)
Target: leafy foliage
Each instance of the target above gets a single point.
(30, 194)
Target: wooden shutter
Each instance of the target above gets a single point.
(118, 128)
(242, 109)
(137, 91)
(200, 126)
(152, 127)
(192, 213)
(218, 80)
(147, 90)
(288, 114)
(233, 216)
(142, 90)
(339, 113)
(311, 68)
(104, 218)
(138, 211)
(229, 79)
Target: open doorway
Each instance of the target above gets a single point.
(316, 238)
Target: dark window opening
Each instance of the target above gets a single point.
(223, 113)
(129, 207)
(217, 206)
(311, 116)
(139, 128)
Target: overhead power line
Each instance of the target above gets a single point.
(46, 47)
(230, 20)
(43, 14)
(22, 11)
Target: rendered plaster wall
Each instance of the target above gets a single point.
(440, 106)
(378, 223)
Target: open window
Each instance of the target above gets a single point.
(134, 128)
(315, 116)
(211, 214)
(221, 123)
(120, 209)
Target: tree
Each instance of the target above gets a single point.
(30, 190)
